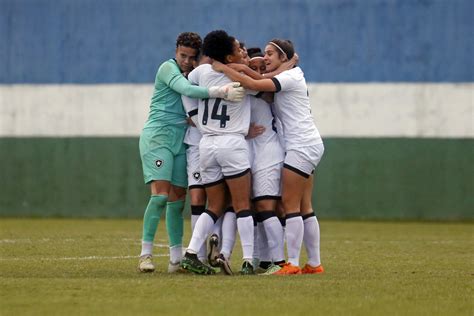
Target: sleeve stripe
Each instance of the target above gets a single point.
(277, 84)
(193, 112)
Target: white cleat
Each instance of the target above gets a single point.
(145, 264)
(174, 267)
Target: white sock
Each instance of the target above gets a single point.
(194, 219)
(229, 228)
(201, 231)
(275, 238)
(217, 228)
(202, 252)
(246, 233)
(294, 239)
(256, 245)
(176, 254)
(147, 248)
(311, 240)
(263, 249)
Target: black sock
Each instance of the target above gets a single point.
(265, 264)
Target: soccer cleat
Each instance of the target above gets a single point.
(247, 269)
(288, 269)
(272, 269)
(224, 264)
(308, 269)
(260, 270)
(213, 250)
(175, 267)
(145, 264)
(191, 263)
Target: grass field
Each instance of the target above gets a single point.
(65, 266)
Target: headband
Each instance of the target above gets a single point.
(256, 57)
(279, 48)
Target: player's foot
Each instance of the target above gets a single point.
(272, 269)
(247, 269)
(224, 264)
(145, 264)
(175, 267)
(287, 269)
(213, 250)
(191, 263)
(259, 270)
(308, 269)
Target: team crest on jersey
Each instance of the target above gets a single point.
(197, 175)
(159, 163)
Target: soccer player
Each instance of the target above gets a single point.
(267, 157)
(162, 150)
(197, 194)
(303, 145)
(224, 157)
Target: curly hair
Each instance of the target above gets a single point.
(189, 39)
(286, 46)
(218, 44)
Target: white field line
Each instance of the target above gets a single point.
(162, 245)
(61, 240)
(79, 258)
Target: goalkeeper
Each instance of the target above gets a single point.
(162, 150)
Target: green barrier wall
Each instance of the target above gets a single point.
(395, 178)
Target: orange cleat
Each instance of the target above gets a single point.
(288, 268)
(312, 270)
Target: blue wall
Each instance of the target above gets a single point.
(114, 41)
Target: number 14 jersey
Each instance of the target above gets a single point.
(218, 116)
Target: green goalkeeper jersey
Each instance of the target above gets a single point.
(166, 105)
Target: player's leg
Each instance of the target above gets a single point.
(213, 181)
(311, 236)
(175, 206)
(271, 228)
(197, 194)
(175, 226)
(229, 230)
(292, 192)
(157, 164)
(267, 193)
(296, 172)
(239, 187)
(216, 201)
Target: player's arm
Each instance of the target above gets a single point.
(246, 70)
(246, 81)
(172, 77)
(287, 65)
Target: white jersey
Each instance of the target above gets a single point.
(293, 109)
(265, 149)
(218, 116)
(193, 135)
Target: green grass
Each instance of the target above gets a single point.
(66, 266)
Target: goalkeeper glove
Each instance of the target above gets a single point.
(232, 92)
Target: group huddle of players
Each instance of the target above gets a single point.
(235, 129)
